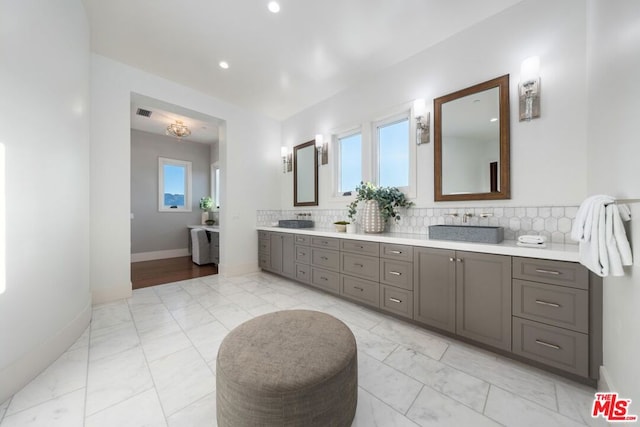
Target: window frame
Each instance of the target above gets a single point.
(165, 161)
(336, 149)
(410, 189)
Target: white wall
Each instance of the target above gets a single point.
(613, 164)
(541, 151)
(44, 82)
(249, 160)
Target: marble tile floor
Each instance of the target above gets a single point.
(150, 361)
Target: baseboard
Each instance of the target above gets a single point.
(19, 373)
(150, 256)
(102, 296)
(604, 382)
(237, 270)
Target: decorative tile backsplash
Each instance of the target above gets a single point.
(554, 222)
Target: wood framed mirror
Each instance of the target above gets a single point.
(471, 143)
(305, 175)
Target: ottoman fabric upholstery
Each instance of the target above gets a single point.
(288, 368)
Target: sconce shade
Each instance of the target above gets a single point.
(419, 107)
(530, 69)
(319, 140)
(283, 151)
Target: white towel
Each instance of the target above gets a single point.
(535, 239)
(583, 224)
(604, 248)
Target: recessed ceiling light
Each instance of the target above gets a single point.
(494, 119)
(223, 64)
(274, 7)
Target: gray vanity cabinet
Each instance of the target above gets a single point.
(434, 272)
(282, 254)
(483, 298)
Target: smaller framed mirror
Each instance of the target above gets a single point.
(471, 143)
(305, 175)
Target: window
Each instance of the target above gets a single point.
(174, 185)
(349, 162)
(392, 140)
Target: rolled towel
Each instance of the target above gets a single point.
(532, 239)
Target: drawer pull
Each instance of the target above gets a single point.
(540, 270)
(300, 239)
(395, 273)
(546, 344)
(396, 300)
(451, 259)
(361, 247)
(550, 304)
(395, 252)
(358, 265)
(358, 288)
(459, 259)
(324, 258)
(302, 272)
(301, 253)
(323, 278)
(324, 242)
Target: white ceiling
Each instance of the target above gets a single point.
(280, 63)
(204, 128)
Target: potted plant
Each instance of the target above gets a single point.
(206, 203)
(341, 226)
(380, 204)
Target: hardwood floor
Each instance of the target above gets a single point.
(157, 272)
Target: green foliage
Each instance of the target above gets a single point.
(206, 203)
(342, 223)
(389, 200)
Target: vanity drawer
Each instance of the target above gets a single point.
(555, 272)
(325, 259)
(327, 280)
(397, 273)
(263, 261)
(360, 247)
(303, 273)
(397, 252)
(263, 246)
(359, 265)
(301, 239)
(554, 305)
(325, 242)
(263, 235)
(557, 347)
(303, 254)
(364, 291)
(396, 300)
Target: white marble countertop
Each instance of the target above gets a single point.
(553, 251)
(213, 228)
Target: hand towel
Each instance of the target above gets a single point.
(583, 223)
(532, 239)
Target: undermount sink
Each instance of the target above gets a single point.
(467, 233)
(295, 223)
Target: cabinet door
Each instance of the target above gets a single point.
(483, 296)
(275, 252)
(434, 288)
(288, 256)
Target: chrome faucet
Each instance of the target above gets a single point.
(466, 216)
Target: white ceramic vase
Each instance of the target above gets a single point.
(205, 217)
(372, 220)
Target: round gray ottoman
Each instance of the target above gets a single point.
(288, 368)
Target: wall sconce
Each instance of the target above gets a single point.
(423, 122)
(287, 159)
(323, 149)
(529, 89)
